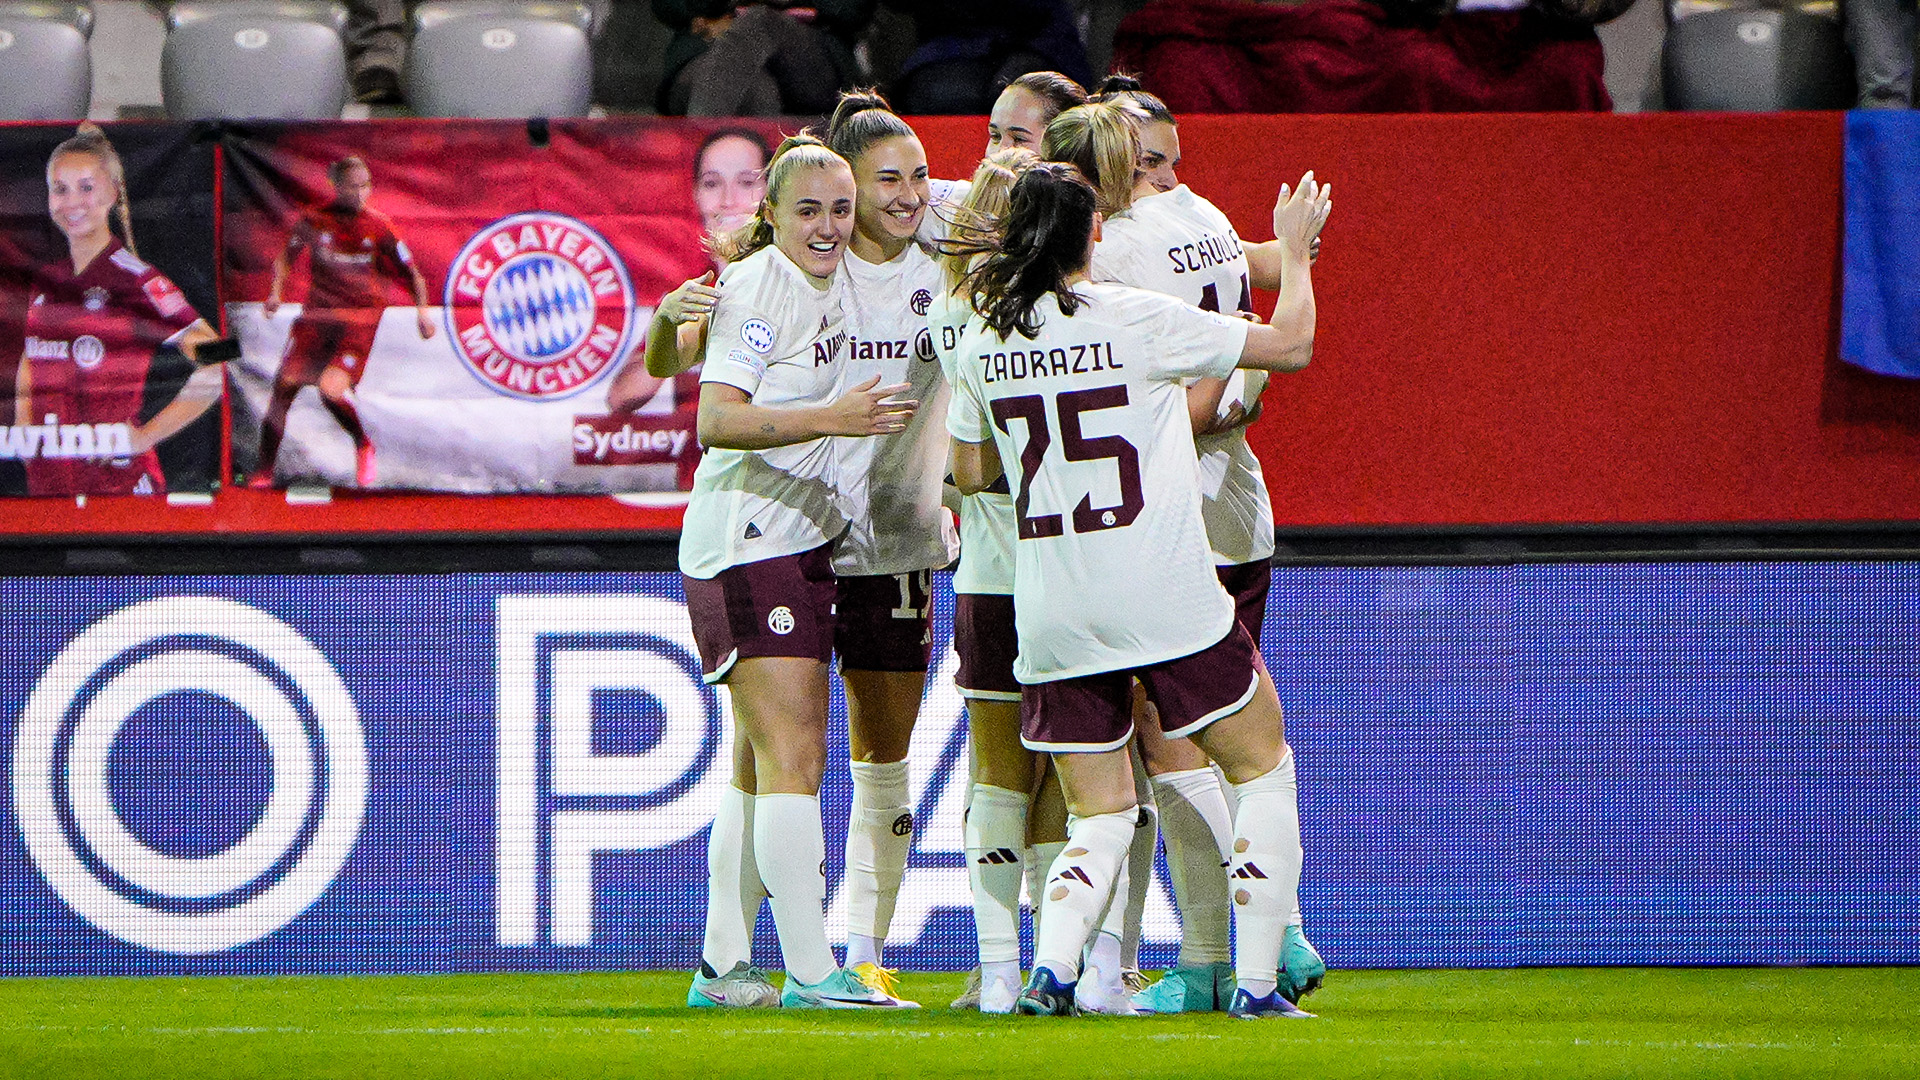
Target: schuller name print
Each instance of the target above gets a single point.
(539, 306)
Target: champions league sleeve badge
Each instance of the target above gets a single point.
(539, 307)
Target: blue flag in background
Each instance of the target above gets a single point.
(1880, 285)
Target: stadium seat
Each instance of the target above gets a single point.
(485, 59)
(266, 59)
(1748, 57)
(46, 71)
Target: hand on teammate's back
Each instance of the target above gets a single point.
(691, 301)
(867, 410)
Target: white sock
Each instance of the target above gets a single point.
(791, 849)
(1295, 919)
(734, 890)
(1146, 839)
(996, 841)
(1265, 875)
(1199, 832)
(879, 835)
(1040, 860)
(1104, 951)
(1079, 885)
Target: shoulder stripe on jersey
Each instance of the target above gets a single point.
(127, 261)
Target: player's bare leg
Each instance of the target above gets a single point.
(1251, 748)
(996, 836)
(1099, 794)
(336, 393)
(882, 707)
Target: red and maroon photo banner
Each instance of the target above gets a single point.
(106, 273)
(463, 306)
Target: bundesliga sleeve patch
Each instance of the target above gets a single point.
(758, 334)
(167, 299)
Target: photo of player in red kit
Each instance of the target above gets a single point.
(355, 256)
(93, 324)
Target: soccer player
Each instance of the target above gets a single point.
(93, 322)
(1029, 103)
(983, 635)
(899, 532)
(756, 561)
(1088, 409)
(355, 253)
(1147, 229)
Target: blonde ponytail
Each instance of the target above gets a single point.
(1101, 141)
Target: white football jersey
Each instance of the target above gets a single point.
(782, 339)
(1112, 567)
(986, 519)
(937, 223)
(893, 482)
(1180, 244)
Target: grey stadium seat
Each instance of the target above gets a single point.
(46, 71)
(266, 59)
(1751, 57)
(488, 59)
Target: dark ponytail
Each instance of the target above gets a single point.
(861, 119)
(1048, 227)
(1059, 92)
(1125, 90)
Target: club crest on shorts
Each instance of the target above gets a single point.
(539, 306)
(780, 620)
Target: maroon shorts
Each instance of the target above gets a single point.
(984, 637)
(1248, 584)
(324, 338)
(775, 607)
(1094, 713)
(884, 622)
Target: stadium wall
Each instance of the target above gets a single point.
(1573, 763)
(1541, 321)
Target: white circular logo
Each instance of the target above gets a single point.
(499, 38)
(780, 620)
(6, 39)
(291, 853)
(539, 306)
(1754, 32)
(95, 299)
(758, 335)
(88, 351)
(252, 38)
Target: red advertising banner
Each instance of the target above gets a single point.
(106, 272)
(463, 306)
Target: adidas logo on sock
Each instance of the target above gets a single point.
(1076, 874)
(1250, 871)
(1001, 857)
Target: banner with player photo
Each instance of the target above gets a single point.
(106, 275)
(462, 306)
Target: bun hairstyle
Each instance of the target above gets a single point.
(1059, 92)
(1099, 139)
(976, 221)
(1048, 226)
(795, 153)
(861, 119)
(88, 138)
(1125, 90)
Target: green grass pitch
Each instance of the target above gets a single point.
(1616, 1022)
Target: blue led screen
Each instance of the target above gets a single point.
(1679, 763)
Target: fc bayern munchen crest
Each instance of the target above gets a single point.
(539, 306)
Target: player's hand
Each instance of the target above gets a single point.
(1300, 213)
(425, 322)
(691, 301)
(869, 409)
